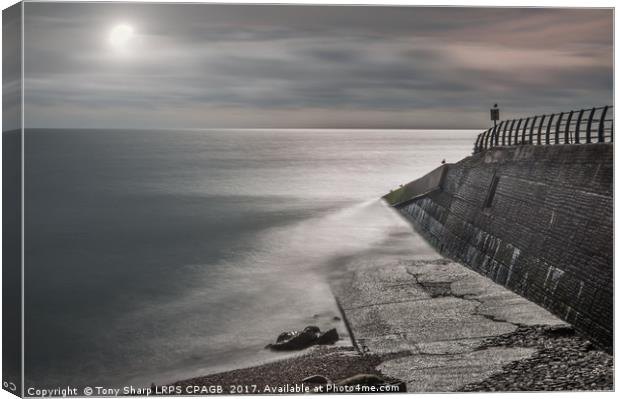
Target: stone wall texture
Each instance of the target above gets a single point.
(546, 233)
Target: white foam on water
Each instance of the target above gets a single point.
(278, 286)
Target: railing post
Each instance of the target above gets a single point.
(601, 126)
(512, 125)
(548, 132)
(517, 132)
(490, 140)
(589, 126)
(532, 129)
(542, 120)
(499, 128)
(567, 128)
(557, 128)
(504, 133)
(523, 132)
(486, 139)
(578, 125)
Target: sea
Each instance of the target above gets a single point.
(158, 255)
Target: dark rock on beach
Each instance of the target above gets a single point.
(285, 336)
(297, 340)
(316, 379)
(329, 337)
(312, 330)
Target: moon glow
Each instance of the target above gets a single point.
(120, 36)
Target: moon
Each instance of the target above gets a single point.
(120, 36)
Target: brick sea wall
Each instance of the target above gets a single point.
(546, 233)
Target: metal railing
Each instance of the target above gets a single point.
(593, 125)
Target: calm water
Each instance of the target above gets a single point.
(159, 255)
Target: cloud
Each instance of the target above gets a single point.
(310, 66)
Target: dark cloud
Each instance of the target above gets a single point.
(310, 66)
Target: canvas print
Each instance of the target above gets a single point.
(207, 199)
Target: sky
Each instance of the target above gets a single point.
(253, 66)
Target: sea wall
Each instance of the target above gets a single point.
(536, 219)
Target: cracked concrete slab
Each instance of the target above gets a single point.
(367, 287)
(432, 314)
(433, 319)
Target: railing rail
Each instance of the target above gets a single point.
(593, 125)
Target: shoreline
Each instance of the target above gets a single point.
(411, 312)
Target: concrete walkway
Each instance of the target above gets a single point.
(428, 316)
